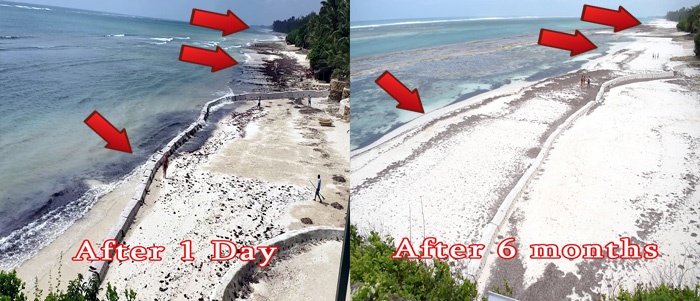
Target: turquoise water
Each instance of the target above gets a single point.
(450, 60)
(57, 65)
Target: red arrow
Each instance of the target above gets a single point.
(116, 140)
(216, 59)
(621, 19)
(408, 100)
(229, 23)
(577, 43)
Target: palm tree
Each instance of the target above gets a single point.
(327, 36)
(331, 51)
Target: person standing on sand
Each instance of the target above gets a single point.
(589, 82)
(309, 100)
(165, 166)
(583, 78)
(318, 190)
(259, 98)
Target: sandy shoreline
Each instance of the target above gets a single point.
(263, 204)
(462, 160)
(207, 196)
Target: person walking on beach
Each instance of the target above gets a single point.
(583, 79)
(259, 98)
(588, 81)
(309, 100)
(165, 166)
(318, 189)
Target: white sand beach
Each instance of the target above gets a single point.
(622, 169)
(244, 189)
(248, 182)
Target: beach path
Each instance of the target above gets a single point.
(626, 169)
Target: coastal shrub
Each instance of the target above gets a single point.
(662, 292)
(11, 287)
(378, 277)
(697, 45)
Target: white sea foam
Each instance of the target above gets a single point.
(31, 7)
(210, 43)
(162, 39)
(446, 21)
(25, 242)
(232, 47)
(662, 23)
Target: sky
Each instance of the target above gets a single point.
(369, 10)
(253, 12)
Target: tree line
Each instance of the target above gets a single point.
(689, 21)
(326, 35)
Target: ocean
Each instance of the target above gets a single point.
(57, 65)
(451, 60)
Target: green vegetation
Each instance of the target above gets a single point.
(11, 287)
(298, 30)
(375, 276)
(286, 26)
(381, 278)
(326, 35)
(78, 290)
(662, 292)
(689, 21)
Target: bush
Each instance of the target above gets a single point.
(78, 290)
(381, 278)
(697, 45)
(11, 287)
(662, 292)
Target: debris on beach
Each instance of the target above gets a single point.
(339, 179)
(306, 221)
(325, 122)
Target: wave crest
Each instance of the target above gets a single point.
(417, 22)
